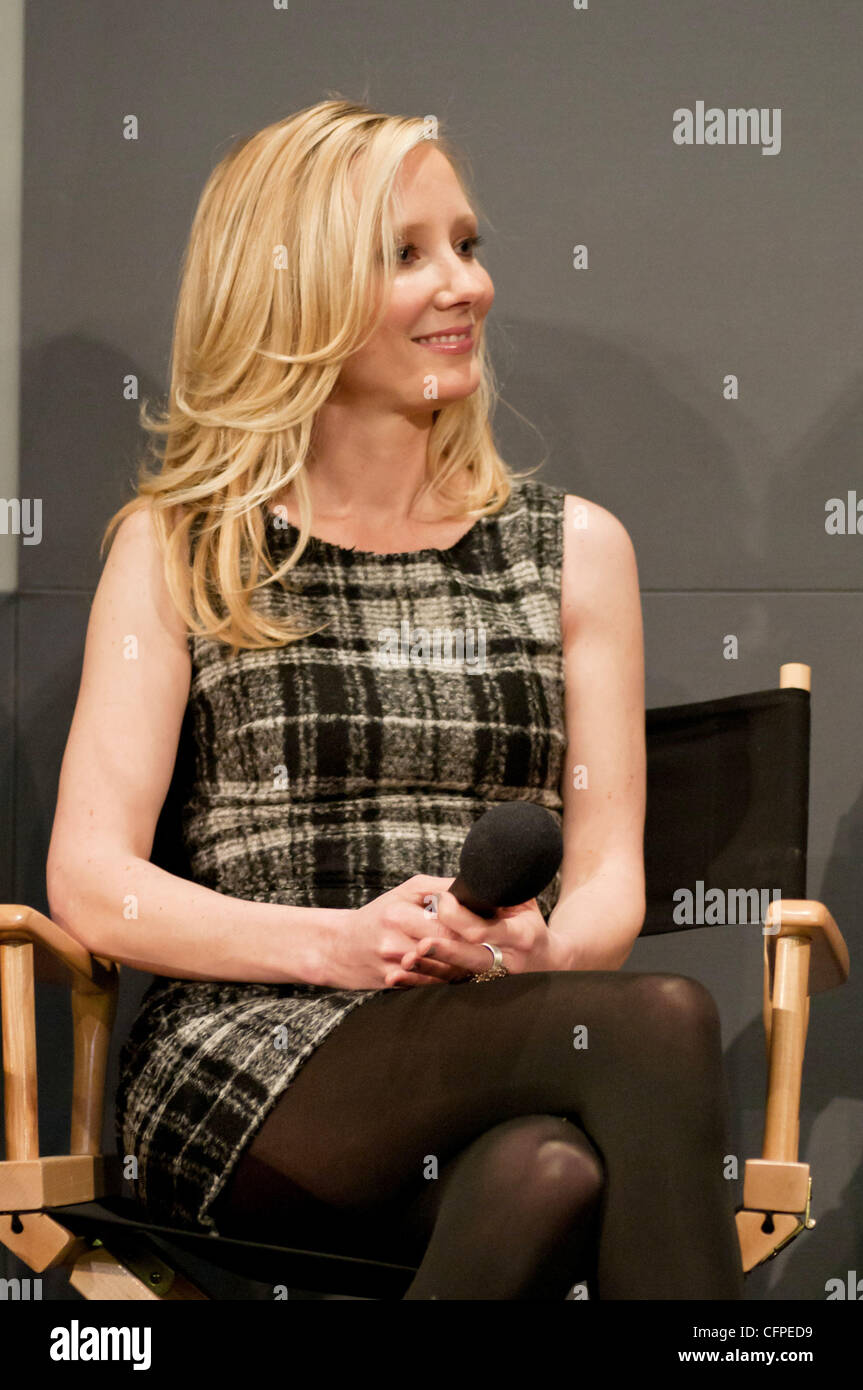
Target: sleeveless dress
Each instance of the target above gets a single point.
(326, 772)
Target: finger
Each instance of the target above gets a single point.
(466, 958)
(419, 920)
(428, 883)
(412, 961)
(509, 926)
(458, 920)
(399, 979)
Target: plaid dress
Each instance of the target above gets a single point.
(326, 772)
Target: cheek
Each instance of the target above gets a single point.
(381, 356)
(407, 308)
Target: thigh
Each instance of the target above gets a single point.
(413, 1076)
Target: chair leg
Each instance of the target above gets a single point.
(133, 1272)
(757, 1244)
(98, 1274)
(763, 1234)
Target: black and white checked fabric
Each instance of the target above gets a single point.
(328, 771)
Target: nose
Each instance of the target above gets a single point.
(459, 280)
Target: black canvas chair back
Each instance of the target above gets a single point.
(168, 852)
(727, 799)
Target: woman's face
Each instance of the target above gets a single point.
(439, 288)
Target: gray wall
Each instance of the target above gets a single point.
(704, 260)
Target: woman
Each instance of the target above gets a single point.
(329, 502)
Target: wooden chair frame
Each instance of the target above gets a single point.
(804, 953)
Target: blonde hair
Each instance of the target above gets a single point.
(257, 349)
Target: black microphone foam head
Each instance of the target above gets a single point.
(511, 853)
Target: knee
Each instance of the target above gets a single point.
(553, 1164)
(571, 1175)
(678, 1008)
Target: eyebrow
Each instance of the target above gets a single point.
(464, 219)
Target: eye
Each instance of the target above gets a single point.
(471, 242)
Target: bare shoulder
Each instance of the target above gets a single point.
(599, 564)
(134, 574)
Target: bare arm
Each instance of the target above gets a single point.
(115, 774)
(601, 906)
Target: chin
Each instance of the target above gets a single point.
(454, 385)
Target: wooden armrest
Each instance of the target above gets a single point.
(804, 954)
(829, 963)
(24, 924)
(94, 1001)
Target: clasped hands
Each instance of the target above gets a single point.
(453, 951)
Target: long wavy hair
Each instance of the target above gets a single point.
(281, 281)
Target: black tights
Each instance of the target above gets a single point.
(511, 1138)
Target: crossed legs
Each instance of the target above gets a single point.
(512, 1138)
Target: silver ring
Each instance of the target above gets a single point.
(496, 970)
(497, 954)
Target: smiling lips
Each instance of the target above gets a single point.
(457, 341)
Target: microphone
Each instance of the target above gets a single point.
(510, 854)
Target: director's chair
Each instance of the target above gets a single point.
(727, 808)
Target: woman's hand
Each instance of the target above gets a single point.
(363, 947)
(520, 933)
